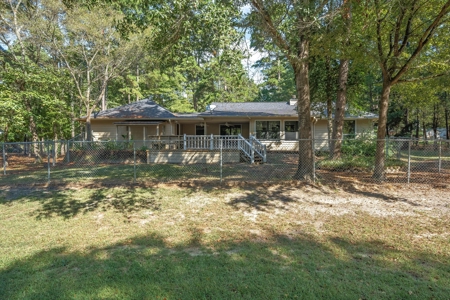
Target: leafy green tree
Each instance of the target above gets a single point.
(34, 87)
(394, 34)
(93, 52)
(294, 26)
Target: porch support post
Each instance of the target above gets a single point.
(129, 132)
(117, 132)
(145, 133)
(157, 130)
(211, 142)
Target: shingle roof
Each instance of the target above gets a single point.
(148, 109)
(143, 109)
(251, 109)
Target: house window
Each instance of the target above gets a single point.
(199, 130)
(269, 130)
(291, 130)
(349, 130)
(235, 129)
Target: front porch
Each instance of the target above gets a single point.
(250, 150)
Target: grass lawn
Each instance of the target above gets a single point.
(206, 242)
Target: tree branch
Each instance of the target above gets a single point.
(422, 78)
(424, 39)
(268, 23)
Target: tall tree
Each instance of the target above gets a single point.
(32, 80)
(292, 26)
(396, 33)
(93, 52)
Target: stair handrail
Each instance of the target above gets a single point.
(246, 147)
(259, 147)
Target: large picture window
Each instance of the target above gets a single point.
(269, 130)
(291, 130)
(235, 129)
(349, 130)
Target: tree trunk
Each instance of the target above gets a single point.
(305, 159)
(417, 127)
(447, 129)
(103, 101)
(329, 96)
(34, 136)
(88, 129)
(5, 133)
(408, 126)
(435, 120)
(380, 157)
(72, 119)
(338, 124)
(424, 128)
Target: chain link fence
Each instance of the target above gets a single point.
(402, 161)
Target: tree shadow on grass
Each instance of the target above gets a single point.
(262, 198)
(61, 203)
(354, 187)
(282, 267)
(265, 197)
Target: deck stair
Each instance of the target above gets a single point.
(251, 150)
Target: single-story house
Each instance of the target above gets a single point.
(267, 121)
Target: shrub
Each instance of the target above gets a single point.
(363, 145)
(347, 163)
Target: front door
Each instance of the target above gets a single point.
(199, 130)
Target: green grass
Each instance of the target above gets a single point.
(206, 243)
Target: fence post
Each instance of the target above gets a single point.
(68, 151)
(313, 159)
(221, 160)
(265, 154)
(48, 162)
(184, 141)
(409, 160)
(54, 152)
(211, 142)
(252, 152)
(440, 155)
(4, 159)
(134, 157)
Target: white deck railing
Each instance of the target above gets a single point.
(211, 142)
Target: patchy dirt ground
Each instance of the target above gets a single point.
(382, 200)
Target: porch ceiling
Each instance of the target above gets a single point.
(140, 123)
